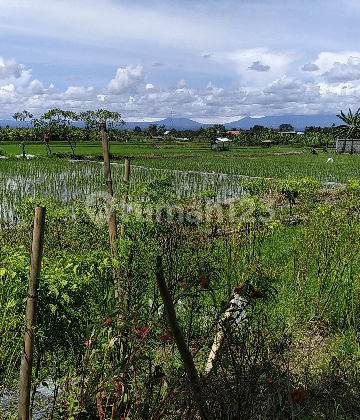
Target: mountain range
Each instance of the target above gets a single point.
(299, 122)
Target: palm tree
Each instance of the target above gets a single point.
(352, 128)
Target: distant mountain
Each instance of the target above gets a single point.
(176, 123)
(299, 122)
(12, 123)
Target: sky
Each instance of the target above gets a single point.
(213, 61)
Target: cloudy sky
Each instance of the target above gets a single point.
(212, 61)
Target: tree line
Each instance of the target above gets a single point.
(60, 125)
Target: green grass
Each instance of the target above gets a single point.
(133, 149)
(314, 166)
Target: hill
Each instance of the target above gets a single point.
(299, 122)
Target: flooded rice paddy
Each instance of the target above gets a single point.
(70, 180)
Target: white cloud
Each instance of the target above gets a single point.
(247, 60)
(35, 87)
(12, 72)
(181, 84)
(326, 59)
(126, 80)
(340, 73)
(130, 93)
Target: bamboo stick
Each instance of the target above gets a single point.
(110, 214)
(31, 311)
(109, 192)
(180, 342)
(127, 179)
(219, 334)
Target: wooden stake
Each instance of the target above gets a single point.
(110, 214)
(180, 342)
(109, 192)
(127, 179)
(31, 311)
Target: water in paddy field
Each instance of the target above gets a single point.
(70, 180)
(67, 181)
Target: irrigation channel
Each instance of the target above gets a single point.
(79, 179)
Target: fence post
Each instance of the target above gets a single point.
(109, 192)
(127, 179)
(31, 310)
(109, 195)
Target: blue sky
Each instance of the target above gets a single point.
(209, 60)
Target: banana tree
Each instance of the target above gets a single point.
(352, 128)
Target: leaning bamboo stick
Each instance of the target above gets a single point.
(180, 342)
(234, 303)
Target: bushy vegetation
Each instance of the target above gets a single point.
(289, 346)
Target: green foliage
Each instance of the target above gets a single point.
(257, 186)
(159, 191)
(206, 195)
(303, 189)
(353, 187)
(286, 127)
(53, 212)
(93, 119)
(352, 129)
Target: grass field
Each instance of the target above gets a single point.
(133, 149)
(343, 168)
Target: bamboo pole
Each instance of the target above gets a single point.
(180, 342)
(236, 302)
(30, 317)
(111, 216)
(127, 179)
(109, 192)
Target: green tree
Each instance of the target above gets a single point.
(161, 129)
(286, 127)
(137, 129)
(152, 130)
(220, 129)
(58, 124)
(93, 119)
(20, 133)
(258, 129)
(352, 127)
(211, 132)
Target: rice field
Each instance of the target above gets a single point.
(69, 180)
(281, 166)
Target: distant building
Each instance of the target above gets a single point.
(233, 133)
(220, 141)
(348, 146)
(266, 143)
